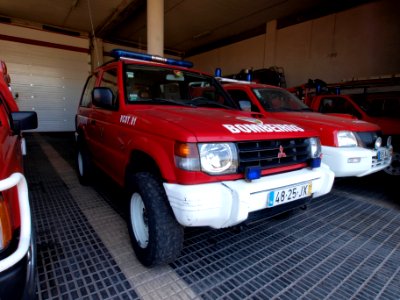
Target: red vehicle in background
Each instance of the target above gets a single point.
(350, 147)
(375, 101)
(17, 238)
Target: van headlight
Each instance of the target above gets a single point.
(346, 139)
(218, 158)
(211, 158)
(315, 147)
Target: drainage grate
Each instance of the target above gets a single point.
(341, 247)
(73, 263)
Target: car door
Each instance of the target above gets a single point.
(103, 123)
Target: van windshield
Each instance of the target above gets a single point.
(279, 100)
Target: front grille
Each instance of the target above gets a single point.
(273, 154)
(368, 138)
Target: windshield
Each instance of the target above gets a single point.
(379, 105)
(279, 100)
(158, 85)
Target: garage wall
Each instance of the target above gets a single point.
(46, 77)
(359, 42)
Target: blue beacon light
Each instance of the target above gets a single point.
(118, 53)
(252, 173)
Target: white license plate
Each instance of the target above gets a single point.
(289, 194)
(383, 154)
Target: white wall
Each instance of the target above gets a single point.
(46, 79)
(360, 42)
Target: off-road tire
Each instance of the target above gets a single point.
(156, 236)
(84, 167)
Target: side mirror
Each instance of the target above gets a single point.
(24, 120)
(103, 97)
(245, 105)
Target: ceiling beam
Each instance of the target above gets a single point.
(127, 9)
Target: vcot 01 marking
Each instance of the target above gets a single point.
(128, 120)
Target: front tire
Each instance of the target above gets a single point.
(157, 238)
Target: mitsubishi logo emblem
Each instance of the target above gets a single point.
(281, 153)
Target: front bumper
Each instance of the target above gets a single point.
(355, 161)
(227, 203)
(18, 269)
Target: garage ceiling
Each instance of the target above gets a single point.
(191, 26)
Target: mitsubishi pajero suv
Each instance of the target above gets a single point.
(185, 152)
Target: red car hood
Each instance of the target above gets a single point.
(317, 121)
(203, 124)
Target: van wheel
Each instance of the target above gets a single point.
(394, 168)
(83, 164)
(156, 236)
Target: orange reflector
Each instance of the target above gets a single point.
(5, 225)
(185, 149)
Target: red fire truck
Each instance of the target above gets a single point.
(17, 235)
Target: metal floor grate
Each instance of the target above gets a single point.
(341, 247)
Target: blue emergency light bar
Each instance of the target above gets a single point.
(118, 53)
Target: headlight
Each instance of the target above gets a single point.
(346, 139)
(315, 147)
(378, 143)
(389, 141)
(218, 158)
(211, 158)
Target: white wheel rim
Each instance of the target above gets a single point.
(139, 220)
(80, 163)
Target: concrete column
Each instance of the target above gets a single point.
(270, 44)
(155, 27)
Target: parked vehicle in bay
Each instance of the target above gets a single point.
(350, 147)
(376, 101)
(17, 234)
(188, 156)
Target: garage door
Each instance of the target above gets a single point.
(46, 80)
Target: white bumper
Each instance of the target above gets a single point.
(226, 203)
(355, 161)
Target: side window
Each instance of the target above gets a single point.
(238, 95)
(87, 92)
(110, 80)
(335, 105)
(339, 106)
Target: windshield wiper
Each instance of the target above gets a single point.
(167, 101)
(203, 101)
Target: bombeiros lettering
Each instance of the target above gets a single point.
(255, 128)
